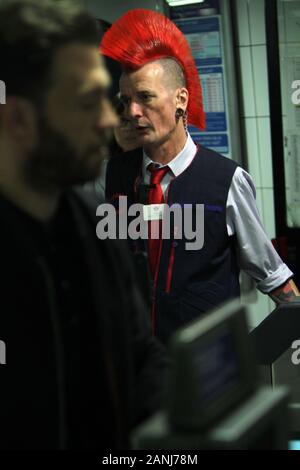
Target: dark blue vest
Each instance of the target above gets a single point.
(188, 282)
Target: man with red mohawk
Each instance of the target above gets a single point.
(161, 91)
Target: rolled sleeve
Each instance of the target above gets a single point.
(256, 254)
(274, 280)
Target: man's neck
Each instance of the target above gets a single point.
(168, 150)
(40, 205)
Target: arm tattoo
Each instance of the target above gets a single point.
(285, 293)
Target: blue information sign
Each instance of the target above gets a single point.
(216, 142)
(204, 8)
(204, 37)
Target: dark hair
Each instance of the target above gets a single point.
(118, 105)
(30, 33)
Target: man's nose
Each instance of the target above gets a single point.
(134, 110)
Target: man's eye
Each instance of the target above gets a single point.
(146, 96)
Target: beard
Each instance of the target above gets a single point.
(54, 164)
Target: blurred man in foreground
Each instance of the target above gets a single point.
(81, 366)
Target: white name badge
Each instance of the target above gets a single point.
(153, 212)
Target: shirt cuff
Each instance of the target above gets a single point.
(276, 279)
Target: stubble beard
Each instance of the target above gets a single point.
(54, 164)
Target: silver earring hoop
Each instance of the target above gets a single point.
(185, 121)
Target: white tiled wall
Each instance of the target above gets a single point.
(252, 149)
(255, 119)
(256, 17)
(265, 153)
(260, 76)
(243, 23)
(247, 82)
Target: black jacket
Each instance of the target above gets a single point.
(33, 393)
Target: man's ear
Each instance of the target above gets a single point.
(19, 118)
(182, 98)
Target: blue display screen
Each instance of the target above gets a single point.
(294, 445)
(216, 366)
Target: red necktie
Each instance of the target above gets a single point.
(155, 196)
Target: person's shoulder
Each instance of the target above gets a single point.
(122, 170)
(89, 203)
(243, 181)
(131, 158)
(213, 155)
(216, 160)
(86, 204)
(88, 198)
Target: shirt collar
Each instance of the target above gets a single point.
(179, 163)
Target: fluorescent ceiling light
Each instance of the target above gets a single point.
(177, 3)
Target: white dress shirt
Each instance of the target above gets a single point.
(256, 254)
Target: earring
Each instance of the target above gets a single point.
(181, 113)
(178, 114)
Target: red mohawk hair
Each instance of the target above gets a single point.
(141, 36)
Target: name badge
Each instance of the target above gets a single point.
(153, 212)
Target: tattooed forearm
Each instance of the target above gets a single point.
(285, 293)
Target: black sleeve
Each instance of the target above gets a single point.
(151, 366)
(151, 361)
(116, 183)
(122, 171)
(113, 182)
